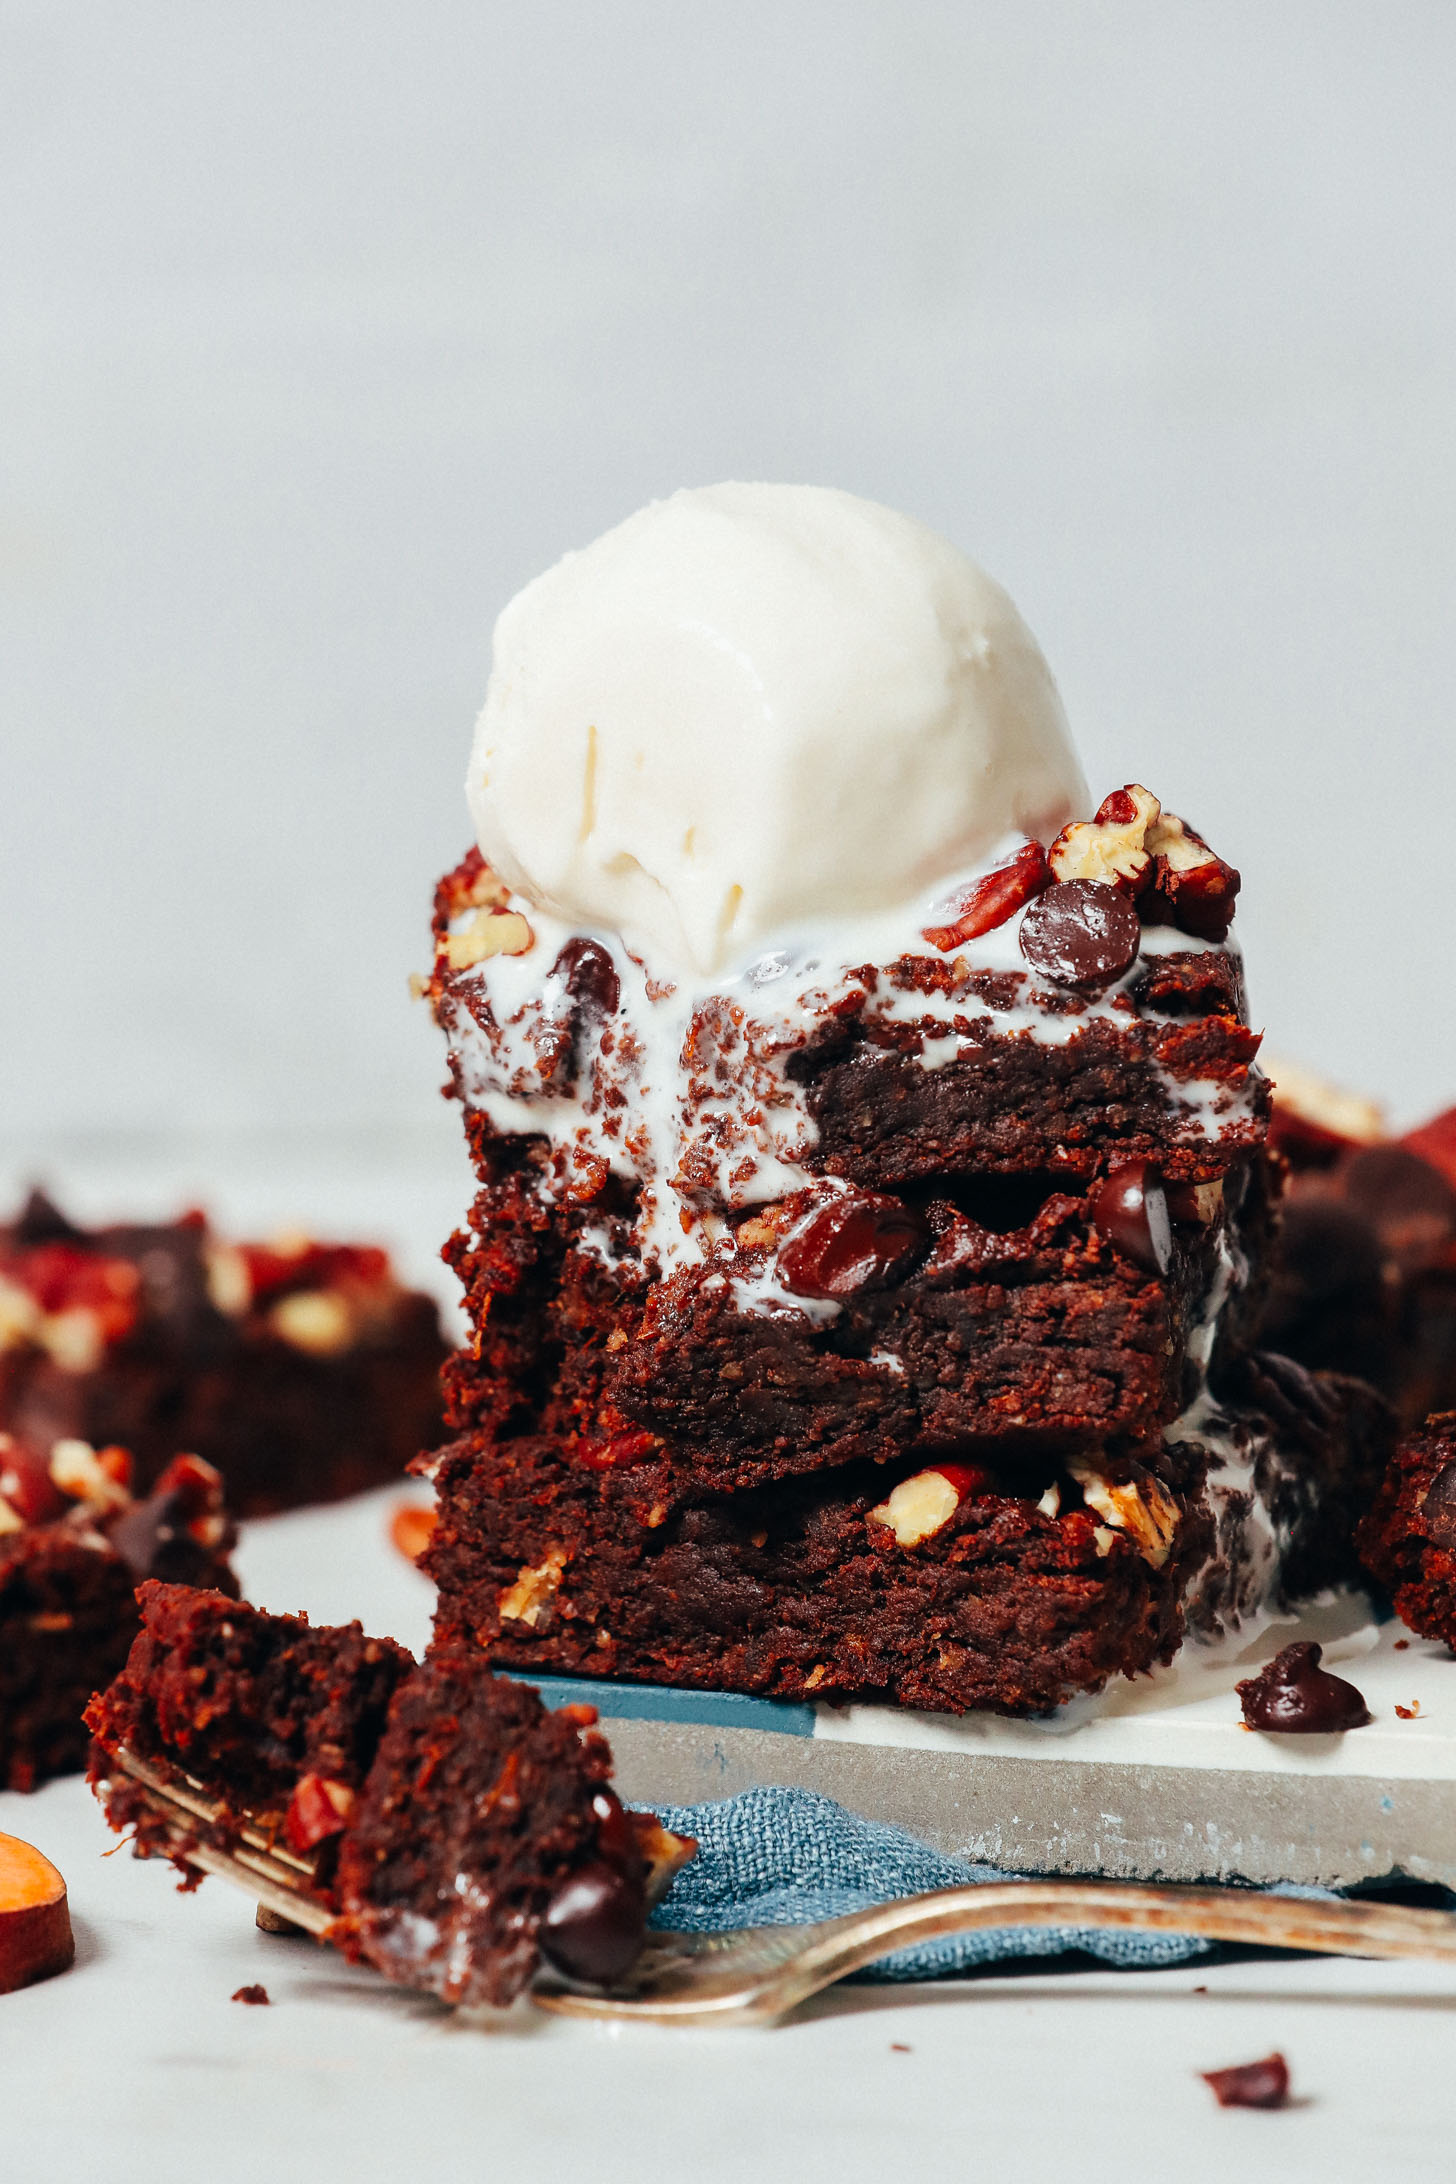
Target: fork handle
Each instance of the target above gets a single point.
(1214, 1914)
(796, 1963)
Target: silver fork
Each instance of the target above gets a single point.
(759, 1973)
(756, 1974)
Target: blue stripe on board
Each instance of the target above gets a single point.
(661, 1702)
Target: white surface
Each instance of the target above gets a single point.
(136, 2067)
(750, 708)
(326, 327)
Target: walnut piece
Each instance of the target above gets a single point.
(317, 1321)
(489, 933)
(20, 1315)
(918, 1508)
(1142, 1508)
(1113, 846)
(78, 1471)
(524, 1600)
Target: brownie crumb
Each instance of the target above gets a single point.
(1251, 2085)
(253, 1994)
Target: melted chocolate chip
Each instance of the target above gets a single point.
(1263, 2084)
(1294, 1696)
(593, 1925)
(855, 1242)
(1439, 1508)
(1081, 933)
(1131, 1210)
(590, 976)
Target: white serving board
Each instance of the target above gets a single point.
(1155, 1778)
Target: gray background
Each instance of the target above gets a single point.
(326, 326)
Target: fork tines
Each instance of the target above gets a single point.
(257, 1864)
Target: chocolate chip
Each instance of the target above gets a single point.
(1439, 1508)
(593, 1925)
(854, 1242)
(1263, 2084)
(1131, 1210)
(581, 990)
(1294, 1696)
(1081, 933)
(590, 976)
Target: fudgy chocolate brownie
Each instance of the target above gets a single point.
(486, 1837)
(74, 1549)
(1408, 1540)
(1005, 1309)
(272, 1716)
(965, 1215)
(1012, 1584)
(302, 1370)
(457, 1830)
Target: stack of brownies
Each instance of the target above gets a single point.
(875, 1321)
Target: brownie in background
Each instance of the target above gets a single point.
(74, 1545)
(1364, 1276)
(302, 1370)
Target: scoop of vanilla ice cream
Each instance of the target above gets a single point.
(752, 708)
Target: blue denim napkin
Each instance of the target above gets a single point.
(784, 1857)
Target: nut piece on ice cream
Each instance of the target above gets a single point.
(753, 706)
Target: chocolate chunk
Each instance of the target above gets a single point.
(1294, 1696)
(593, 1925)
(174, 1535)
(1131, 1209)
(41, 1221)
(1081, 933)
(855, 1242)
(1199, 900)
(1439, 1508)
(1251, 2085)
